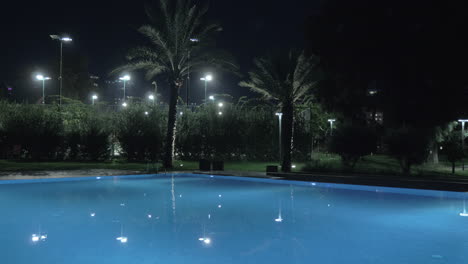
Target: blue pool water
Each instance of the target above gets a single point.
(186, 218)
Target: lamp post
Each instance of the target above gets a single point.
(124, 79)
(41, 77)
(463, 121)
(331, 121)
(94, 97)
(280, 117)
(207, 79)
(62, 40)
(155, 90)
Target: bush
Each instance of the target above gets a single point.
(352, 142)
(410, 146)
(140, 135)
(35, 130)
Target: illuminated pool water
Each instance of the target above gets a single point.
(186, 218)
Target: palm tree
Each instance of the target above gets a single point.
(286, 80)
(178, 37)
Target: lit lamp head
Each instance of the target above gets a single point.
(66, 39)
(124, 104)
(41, 77)
(279, 114)
(151, 97)
(95, 97)
(125, 78)
(462, 120)
(331, 120)
(220, 104)
(211, 97)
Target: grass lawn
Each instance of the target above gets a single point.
(382, 164)
(178, 165)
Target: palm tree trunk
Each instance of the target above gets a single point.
(169, 146)
(287, 136)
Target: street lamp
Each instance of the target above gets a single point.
(62, 40)
(463, 121)
(41, 77)
(220, 104)
(220, 113)
(124, 79)
(207, 79)
(155, 90)
(211, 98)
(280, 117)
(124, 104)
(94, 97)
(331, 121)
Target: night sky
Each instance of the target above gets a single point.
(104, 32)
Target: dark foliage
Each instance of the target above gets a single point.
(352, 142)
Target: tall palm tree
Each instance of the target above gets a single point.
(178, 37)
(286, 80)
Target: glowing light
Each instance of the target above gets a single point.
(181, 113)
(95, 97)
(207, 241)
(98, 178)
(209, 216)
(66, 39)
(122, 239)
(219, 206)
(180, 196)
(41, 77)
(181, 165)
(220, 104)
(211, 97)
(220, 195)
(465, 214)
(209, 77)
(194, 40)
(146, 113)
(124, 104)
(201, 239)
(92, 214)
(279, 114)
(150, 216)
(279, 219)
(122, 204)
(220, 113)
(313, 184)
(35, 238)
(125, 78)
(151, 97)
(293, 166)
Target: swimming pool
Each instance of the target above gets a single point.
(185, 218)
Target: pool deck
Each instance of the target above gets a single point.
(415, 182)
(54, 174)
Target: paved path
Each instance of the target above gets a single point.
(24, 175)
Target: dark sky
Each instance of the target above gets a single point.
(104, 30)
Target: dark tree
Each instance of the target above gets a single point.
(413, 53)
(171, 52)
(285, 79)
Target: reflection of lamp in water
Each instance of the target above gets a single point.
(464, 213)
(122, 238)
(279, 219)
(37, 238)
